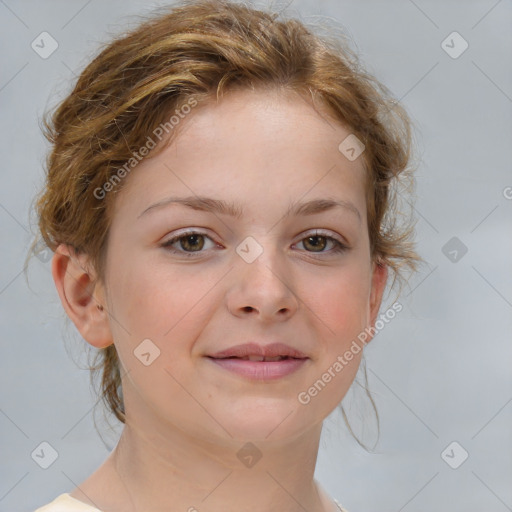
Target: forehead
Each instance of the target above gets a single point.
(272, 123)
(261, 144)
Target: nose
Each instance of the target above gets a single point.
(262, 289)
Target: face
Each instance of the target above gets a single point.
(264, 273)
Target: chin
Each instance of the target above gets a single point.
(265, 421)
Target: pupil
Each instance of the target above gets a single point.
(321, 245)
(189, 240)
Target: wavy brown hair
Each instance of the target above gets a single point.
(203, 49)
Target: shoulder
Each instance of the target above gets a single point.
(66, 503)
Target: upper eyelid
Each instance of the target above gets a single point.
(326, 233)
(189, 232)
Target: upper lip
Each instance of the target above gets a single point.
(253, 349)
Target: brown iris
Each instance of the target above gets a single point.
(317, 247)
(194, 242)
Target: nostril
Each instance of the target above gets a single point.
(248, 308)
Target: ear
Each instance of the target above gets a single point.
(82, 295)
(379, 280)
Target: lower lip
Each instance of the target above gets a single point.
(260, 370)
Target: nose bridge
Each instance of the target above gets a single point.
(261, 281)
(261, 263)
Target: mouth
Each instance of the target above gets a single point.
(253, 361)
(260, 353)
(261, 359)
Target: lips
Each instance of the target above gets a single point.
(263, 353)
(259, 370)
(260, 362)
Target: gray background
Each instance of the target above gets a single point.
(439, 372)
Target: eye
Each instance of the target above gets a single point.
(317, 242)
(189, 242)
(192, 242)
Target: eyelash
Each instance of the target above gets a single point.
(338, 246)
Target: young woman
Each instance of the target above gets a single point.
(220, 202)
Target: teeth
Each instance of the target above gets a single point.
(261, 358)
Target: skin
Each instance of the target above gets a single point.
(186, 417)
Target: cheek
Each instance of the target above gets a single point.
(341, 302)
(166, 304)
(156, 319)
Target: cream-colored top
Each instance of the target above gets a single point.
(66, 503)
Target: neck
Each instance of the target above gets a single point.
(192, 474)
(159, 466)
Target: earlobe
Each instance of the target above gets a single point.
(81, 295)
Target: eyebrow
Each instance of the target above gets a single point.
(208, 204)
